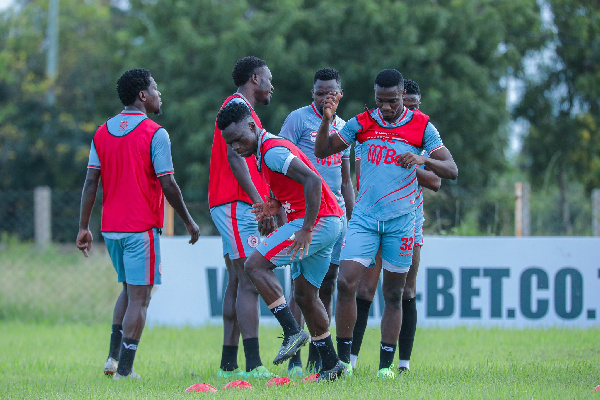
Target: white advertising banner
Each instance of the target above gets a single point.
(482, 281)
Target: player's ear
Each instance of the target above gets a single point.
(252, 126)
(142, 95)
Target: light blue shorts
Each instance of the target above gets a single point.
(313, 266)
(395, 237)
(135, 256)
(419, 219)
(238, 229)
(337, 247)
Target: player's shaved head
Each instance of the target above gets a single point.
(389, 78)
(244, 68)
(232, 113)
(411, 87)
(327, 74)
(131, 83)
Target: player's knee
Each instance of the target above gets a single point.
(393, 296)
(328, 286)
(346, 286)
(250, 268)
(410, 291)
(304, 299)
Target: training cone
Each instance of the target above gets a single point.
(311, 378)
(596, 389)
(201, 387)
(283, 381)
(238, 385)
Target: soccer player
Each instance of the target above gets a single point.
(314, 225)
(132, 155)
(234, 184)
(368, 284)
(300, 127)
(391, 138)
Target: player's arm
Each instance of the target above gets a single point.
(312, 184)
(175, 199)
(347, 188)
(440, 161)
(428, 179)
(240, 170)
(325, 144)
(88, 197)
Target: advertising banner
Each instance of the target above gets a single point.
(462, 281)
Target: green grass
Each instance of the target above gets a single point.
(40, 360)
(55, 313)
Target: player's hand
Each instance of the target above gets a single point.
(408, 160)
(302, 240)
(267, 209)
(266, 226)
(194, 232)
(331, 104)
(84, 241)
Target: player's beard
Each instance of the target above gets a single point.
(159, 112)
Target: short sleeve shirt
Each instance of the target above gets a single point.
(301, 127)
(386, 189)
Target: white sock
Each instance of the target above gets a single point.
(353, 360)
(404, 364)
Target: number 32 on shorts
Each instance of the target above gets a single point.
(407, 243)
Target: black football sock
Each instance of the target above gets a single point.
(409, 327)
(343, 347)
(362, 317)
(252, 352)
(314, 356)
(229, 358)
(386, 355)
(116, 336)
(127, 355)
(286, 319)
(327, 352)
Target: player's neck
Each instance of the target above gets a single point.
(247, 95)
(133, 108)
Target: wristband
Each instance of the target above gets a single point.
(307, 230)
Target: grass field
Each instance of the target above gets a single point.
(39, 360)
(55, 312)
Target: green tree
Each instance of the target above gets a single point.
(43, 142)
(561, 104)
(459, 51)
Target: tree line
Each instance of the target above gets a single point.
(460, 53)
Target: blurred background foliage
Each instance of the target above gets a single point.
(463, 53)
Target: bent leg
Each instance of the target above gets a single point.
(328, 288)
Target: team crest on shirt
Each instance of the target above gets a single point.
(287, 207)
(313, 136)
(253, 241)
(123, 125)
